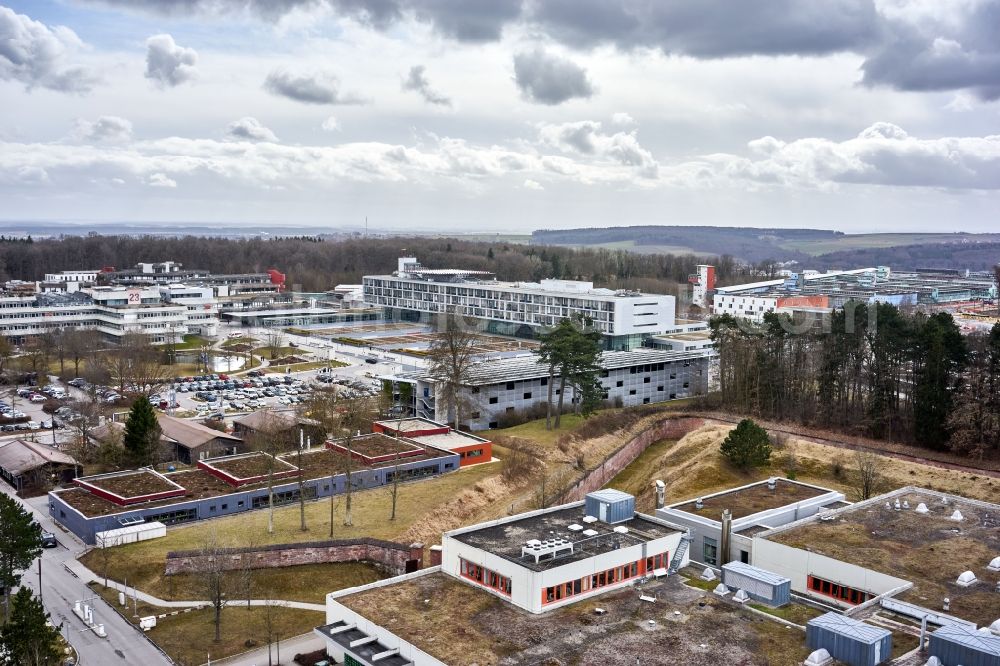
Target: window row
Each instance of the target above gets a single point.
(555, 593)
(485, 577)
(843, 593)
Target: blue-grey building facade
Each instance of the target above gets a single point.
(240, 501)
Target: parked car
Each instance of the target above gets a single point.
(37, 397)
(49, 540)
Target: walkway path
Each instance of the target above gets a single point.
(87, 576)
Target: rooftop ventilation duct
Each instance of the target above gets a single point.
(957, 516)
(721, 590)
(921, 508)
(699, 504)
(741, 597)
(967, 579)
(994, 565)
(772, 483)
(995, 628)
(818, 658)
(707, 574)
(661, 492)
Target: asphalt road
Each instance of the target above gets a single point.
(125, 645)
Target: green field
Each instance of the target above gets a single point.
(868, 241)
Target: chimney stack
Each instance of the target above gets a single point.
(727, 537)
(661, 491)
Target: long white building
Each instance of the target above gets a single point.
(495, 388)
(625, 318)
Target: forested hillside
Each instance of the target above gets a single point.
(873, 371)
(313, 264)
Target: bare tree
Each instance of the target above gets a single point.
(356, 414)
(274, 340)
(269, 437)
(869, 477)
(212, 580)
(134, 367)
(451, 358)
(79, 344)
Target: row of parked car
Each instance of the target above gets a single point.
(105, 393)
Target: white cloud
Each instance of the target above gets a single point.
(168, 64)
(530, 184)
(161, 180)
(622, 119)
(249, 129)
(41, 57)
(318, 88)
(331, 124)
(109, 129)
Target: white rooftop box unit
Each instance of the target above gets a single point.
(610, 505)
(130, 534)
(761, 585)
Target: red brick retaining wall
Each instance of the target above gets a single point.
(387, 554)
(620, 459)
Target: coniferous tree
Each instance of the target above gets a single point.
(26, 639)
(142, 433)
(939, 356)
(747, 445)
(20, 544)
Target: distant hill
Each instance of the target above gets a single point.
(816, 248)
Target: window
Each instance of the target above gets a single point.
(475, 415)
(631, 392)
(494, 400)
(527, 395)
(711, 551)
(619, 383)
(509, 410)
(225, 506)
(645, 380)
(659, 388)
(493, 424)
(510, 386)
(545, 381)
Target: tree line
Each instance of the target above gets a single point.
(871, 370)
(314, 264)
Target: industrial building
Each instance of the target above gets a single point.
(538, 562)
(509, 385)
(626, 319)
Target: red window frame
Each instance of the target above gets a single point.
(848, 595)
(555, 593)
(484, 577)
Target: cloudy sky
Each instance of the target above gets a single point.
(503, 115)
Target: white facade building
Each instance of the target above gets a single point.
(537, 561)
(202, 308)
(624, 318)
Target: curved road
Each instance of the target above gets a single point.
(125, 645)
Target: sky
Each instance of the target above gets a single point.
(503, 115)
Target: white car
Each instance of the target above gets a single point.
(284, 400)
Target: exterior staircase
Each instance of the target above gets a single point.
(678, 558)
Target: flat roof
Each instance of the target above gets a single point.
(506, 537)
(930, 550)
(451, 440)
(520, 368)
(459, 623)
(754, 498)
(410, 424)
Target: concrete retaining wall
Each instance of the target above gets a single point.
(389, 555)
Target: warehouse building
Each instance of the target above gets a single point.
(495, 388)
(29, 466)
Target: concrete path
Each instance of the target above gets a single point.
(285, 650)
(86, 575)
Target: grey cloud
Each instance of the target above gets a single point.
(108, 129)
(168, 64)
(317, 89)
(550, 79)
(468, 21)
(417, 81)
(933, 55)
(37, 56)
(249, 129)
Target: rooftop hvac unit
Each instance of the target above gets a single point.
(574, 527)
(610, 506)
(848, 640)
(590, 533)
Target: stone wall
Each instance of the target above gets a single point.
(392, 557)
(669, 428)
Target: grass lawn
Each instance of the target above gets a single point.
(278, 352)
(192, 341)
(794, 613)
(308, 365)
(189, 637)
(142, 563)
(296, 583)
(242, 340)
